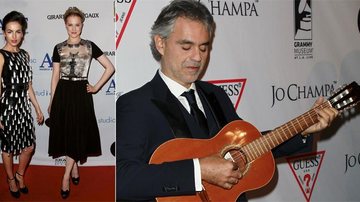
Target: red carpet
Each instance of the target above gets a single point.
(97, 183)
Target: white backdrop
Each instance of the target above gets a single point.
(272, 76)
(45, 29)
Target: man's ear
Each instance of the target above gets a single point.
(159, 44)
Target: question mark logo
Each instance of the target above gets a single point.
(307, 178)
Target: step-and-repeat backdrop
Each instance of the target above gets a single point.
(273, 58)
(46, 28)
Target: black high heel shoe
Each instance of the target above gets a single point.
(64, 194)
(15, 194)
(23, 190)
(75, 180)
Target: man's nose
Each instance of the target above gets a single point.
(196, 54)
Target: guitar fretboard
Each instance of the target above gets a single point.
(281, 134)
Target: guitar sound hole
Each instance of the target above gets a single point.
(238, 156)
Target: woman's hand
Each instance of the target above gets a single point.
(39, 117)
(91, 89)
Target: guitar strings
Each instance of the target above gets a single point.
(265, 143)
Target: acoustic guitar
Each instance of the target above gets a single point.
(243, 143)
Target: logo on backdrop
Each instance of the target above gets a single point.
(42, 93)
(233, 88)
(233, 8)
(352, 161)
(60, 161)
(294, 92)
(122, 16)
(109, 53)
(46, 63)
(306, 169)
(110, 87)
(106, 120)
(303, 30)
(61, 16)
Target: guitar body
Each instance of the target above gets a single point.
(237, 133)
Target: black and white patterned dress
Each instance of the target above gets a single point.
(15, 106)
(73, 126)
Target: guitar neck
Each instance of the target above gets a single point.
(283, 133)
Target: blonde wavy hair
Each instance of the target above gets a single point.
(74, 11)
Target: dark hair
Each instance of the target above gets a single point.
(190, 9)
(15, 16)
(74, 11)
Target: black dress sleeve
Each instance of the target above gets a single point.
(56, 56)
(96, 51)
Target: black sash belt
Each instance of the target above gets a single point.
(15, 87)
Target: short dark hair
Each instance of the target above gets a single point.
(190, 9)
(15, 16)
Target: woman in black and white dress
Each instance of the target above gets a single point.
(16, 122)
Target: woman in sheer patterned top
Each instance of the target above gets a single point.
(74, 131)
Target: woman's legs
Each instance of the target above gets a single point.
(75, 177)
(24, 159)
(68, 167)
(75, 171)
(7, 159)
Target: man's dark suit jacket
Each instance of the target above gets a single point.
(150, 116)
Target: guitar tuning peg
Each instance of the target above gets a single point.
(333, 92)
(345, 97)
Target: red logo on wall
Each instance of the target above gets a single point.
(233, 88)
(123, 12)
(306, 169)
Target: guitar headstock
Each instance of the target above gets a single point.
(346, 96)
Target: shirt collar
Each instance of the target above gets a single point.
(175, 88)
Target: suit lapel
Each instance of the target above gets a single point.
(168, 105)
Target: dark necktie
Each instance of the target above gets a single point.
(195, 111)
